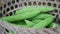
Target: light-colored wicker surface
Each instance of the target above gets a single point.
(29, 30)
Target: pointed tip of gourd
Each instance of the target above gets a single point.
(47, 8)
(29, 23)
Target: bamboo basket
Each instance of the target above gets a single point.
(9, 7)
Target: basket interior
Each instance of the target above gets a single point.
(8, 8)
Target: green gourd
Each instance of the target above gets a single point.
(44, 23)
(24, 10)
(43, 16)
(37, 8)
(21, 16)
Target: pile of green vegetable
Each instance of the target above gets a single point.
(33, 17)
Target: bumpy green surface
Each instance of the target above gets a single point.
(37, 8)
(36, 21)
(43, 23)
(43, 16)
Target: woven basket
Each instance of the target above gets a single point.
(9, 7)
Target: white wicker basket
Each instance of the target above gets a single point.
(8, 7)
